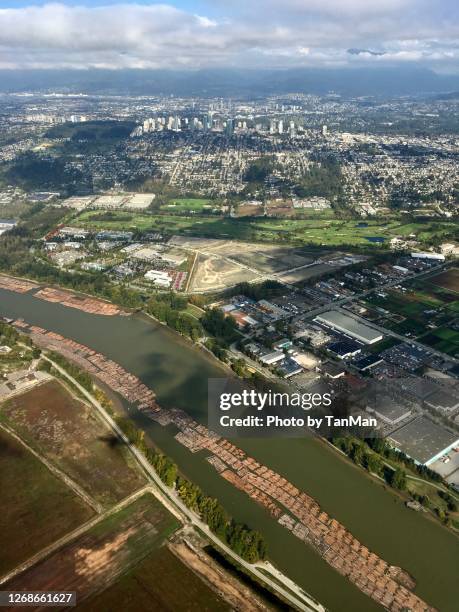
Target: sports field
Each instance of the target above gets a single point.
(187, 205)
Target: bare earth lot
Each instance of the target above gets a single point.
(213, 273)
(70, 435)
(97, 558)
(224, 263)
(447, 280)
(141, 591)
(37, 507)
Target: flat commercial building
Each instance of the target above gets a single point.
(389, 411)
(159, 277)
(434, 256)
(349, 326)
(270, 358)
(423, 440)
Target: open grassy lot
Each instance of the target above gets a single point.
(443, 339)
(187, 205)
(194, 311)
(332, 232)
(105, 552)
(141, 591)
(37, 507)
(68, 433)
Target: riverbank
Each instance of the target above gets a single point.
(179, 376)
(294, 510)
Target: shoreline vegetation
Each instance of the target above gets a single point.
(330, 539)
(370, 458)
(246, 542)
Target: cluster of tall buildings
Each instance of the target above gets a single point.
(55, 119)
(176, 124)
(212, 121)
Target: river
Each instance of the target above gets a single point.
(178, 373)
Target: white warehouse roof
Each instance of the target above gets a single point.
(350, 326)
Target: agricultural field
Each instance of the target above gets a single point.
(286, 210)
(426, 309)
(408, 312)
(141, 591)
(40, 506)
(443, 339)
(69, 434)
(448, 280)
(103, 553)
(315, 231)
(249, 210)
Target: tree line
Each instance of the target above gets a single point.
(245, 542)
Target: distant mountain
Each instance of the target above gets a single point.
(452, 95)
(380, 81)
(365, 51)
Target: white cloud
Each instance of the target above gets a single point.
(256, 33)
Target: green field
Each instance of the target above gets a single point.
(443, 339)
(333, 233)
(141, 591)
(423, 304)
(37, 507)
(187, 205)
(410, 304)
(194, 311)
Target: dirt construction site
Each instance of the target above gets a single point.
(220, 264)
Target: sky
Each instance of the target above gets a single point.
(191, 34)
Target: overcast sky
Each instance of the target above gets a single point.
(229, 33)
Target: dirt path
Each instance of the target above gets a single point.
(231, 590)
(79, 531)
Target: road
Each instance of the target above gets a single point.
(389, 332)
(295, 595)
(352, 298)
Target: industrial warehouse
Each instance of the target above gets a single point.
(349, 326)
(424, 441)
